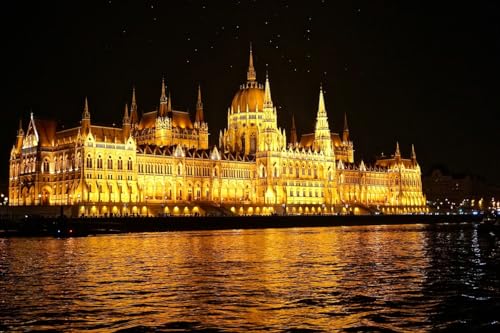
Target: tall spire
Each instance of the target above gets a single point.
(251, 75)
(413, 155)
(126, 124)
(163, 99)
(345, 134)
(86, 118)
(134, 117)
(322, 135)
(268, 102)
(126, 118)
(86, 112)
(163, 89)
(134, 102)
(169, 105)
(199, 108)
(20, 131)
(293, 132)
(321, 104)
(397, 154)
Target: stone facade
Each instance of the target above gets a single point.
(161, 162)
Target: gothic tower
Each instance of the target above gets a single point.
(322, 135)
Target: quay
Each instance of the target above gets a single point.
(74, 227)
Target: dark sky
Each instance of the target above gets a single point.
(421, 73)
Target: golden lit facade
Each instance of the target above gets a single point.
(161, 163)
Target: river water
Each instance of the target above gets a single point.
(371, 278)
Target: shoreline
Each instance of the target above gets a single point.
(80, 227)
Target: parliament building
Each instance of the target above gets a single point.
(161, 162)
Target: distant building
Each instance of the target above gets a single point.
(161, 162)
(440, 184)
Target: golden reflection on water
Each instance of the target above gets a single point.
(274, 279)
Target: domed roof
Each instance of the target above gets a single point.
(251, 95)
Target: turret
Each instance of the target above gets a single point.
(413, 155)
(163, 99)
(86, 118)
(268, 102)
(134, 117)
(322, 136)
(345, 133)
(199, 118)
(20, 135)
(169, 104)
(251, 74)
(126, 124)
(397, 153)
(293, 132)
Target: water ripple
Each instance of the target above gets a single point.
(350, 279)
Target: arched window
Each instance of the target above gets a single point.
(129, 163)
(110, 163)
(89, 161)
(120, 163)
(243, 146)
(46, 165)
(99, 162)
(253, 143)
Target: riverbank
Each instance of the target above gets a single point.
(74, 227)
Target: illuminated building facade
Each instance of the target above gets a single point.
(161, 162)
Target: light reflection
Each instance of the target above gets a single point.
(271, 279)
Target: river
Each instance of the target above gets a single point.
(415, 278)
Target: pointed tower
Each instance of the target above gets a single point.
(251, 74)
(322, 136)
(293, 132)
(134, 117)
(163, 99)
(397, 154)
(20, 135)
(86, 118)
(413, 155)
(268, 102)
(199, 108)
(169, 104)
(126, 124)
(345, 133)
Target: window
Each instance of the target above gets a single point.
(253, 144)
(46, 167)
(99, 162)
(129, 164)
(243, 146)
(110, 163)
(89, 161)
(120, 163)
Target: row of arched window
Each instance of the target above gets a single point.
(235, 173)
(301, 170)
(109, 163)
(60, 164)
(305, 193)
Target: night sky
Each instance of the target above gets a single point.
(418, 73)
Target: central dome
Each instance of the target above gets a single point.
(251, 95)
